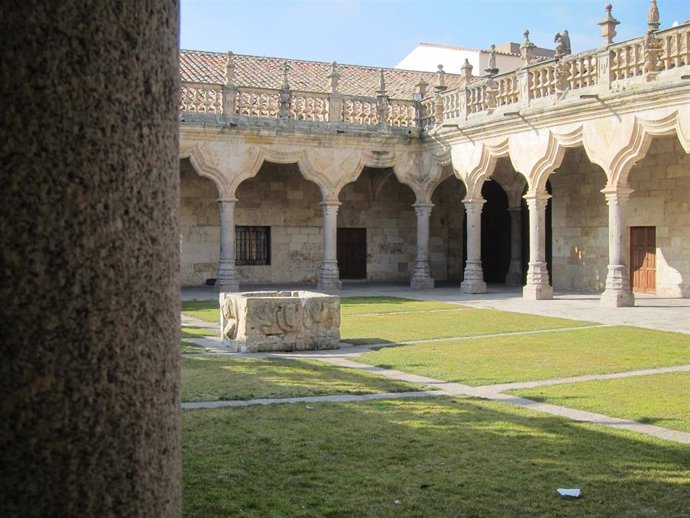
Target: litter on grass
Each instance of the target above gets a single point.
(574, 493)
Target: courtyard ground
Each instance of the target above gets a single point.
(444, 407)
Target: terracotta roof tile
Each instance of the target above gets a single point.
(265, 72)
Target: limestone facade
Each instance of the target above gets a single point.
(533, 177)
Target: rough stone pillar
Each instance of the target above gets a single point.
(227, 273)
(329, 277)
(617, 292)
(89, 248)
(537, 286)
(474, 274)
(421, 278)
(514, 275)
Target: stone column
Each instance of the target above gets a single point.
(617, 292)
(421, 278)
(227, 273)
(89, 246)
(329, 276)
(514, 275)
(474, 274)
(537, 286)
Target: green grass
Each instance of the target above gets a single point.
(206, 310)
(436, 457)
(505, 359)
(661, 399)
(197, 332)
(206, 378)
(190, 348)
(362, 305)
(425, 325)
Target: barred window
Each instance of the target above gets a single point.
(252, 245)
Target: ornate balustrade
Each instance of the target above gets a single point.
(553, 79)
(547, 81)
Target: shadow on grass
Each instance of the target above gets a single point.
(440, 457)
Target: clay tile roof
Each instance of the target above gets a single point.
(311, 76)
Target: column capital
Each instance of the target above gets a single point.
(228, 198)
(614, 193)
(537, 195)
(423, 204)
(473, 201)
(330, 204)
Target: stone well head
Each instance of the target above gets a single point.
(263, 321)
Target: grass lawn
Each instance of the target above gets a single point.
(365, 305)
(392, 327)
(206, 378)
(190, 348)
(196, 332)
(433, 457)
(661, 399)
(505, 359)
(206, 310)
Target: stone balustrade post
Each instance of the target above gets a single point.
(474, 274)
(604, 75)
(227, 273)
(523, 87)
(335, 107)
(329, 276)
(421, 278)
(514, 275)
(617, 292)
(537, 286)
(229, 90)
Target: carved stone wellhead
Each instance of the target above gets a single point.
(279, 321)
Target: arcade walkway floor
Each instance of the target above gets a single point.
(667, 314)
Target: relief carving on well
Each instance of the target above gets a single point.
(279, 321)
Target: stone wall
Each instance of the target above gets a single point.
(280, 197)
(446, 239)
(199, 227)
(378, 202)
(579, 224)
(661, 183)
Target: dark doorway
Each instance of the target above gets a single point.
(495, 233)
(352, 253)
(643, 259)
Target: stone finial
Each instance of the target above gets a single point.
(334, 76)
(653, 17)
(230, 70)
(563, 44)
(466, 71)
(286, 69)
(491, 70)
(608, 26)
(382, 85)
(421, 87)
(526, 49)
(441, 85)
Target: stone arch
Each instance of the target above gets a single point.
(204, 163)
(474, 163)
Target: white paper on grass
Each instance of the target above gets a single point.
(575, 493)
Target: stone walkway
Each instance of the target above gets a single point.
(676, 318)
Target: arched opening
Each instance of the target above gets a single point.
(199, 227)
(658, 232)
(278, 227)
(376, 228)
(579, 221)
(495, 233)
(446, 232)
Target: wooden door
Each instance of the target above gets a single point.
(643, 259)
(352, 253)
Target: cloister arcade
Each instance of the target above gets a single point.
(562, 184)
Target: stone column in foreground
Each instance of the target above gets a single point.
(514, 275)
(538, 286)
(617, 292)
(89, 248)
(474, 274)
(329, 276)
(227, 273)
(421, 278)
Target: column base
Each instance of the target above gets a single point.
(329, 284)
(474, 279)
(537, 292)
(514, 275)
(617, 299)
(227, 285)
(227, 278)
(422, 283)
(329, 278)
